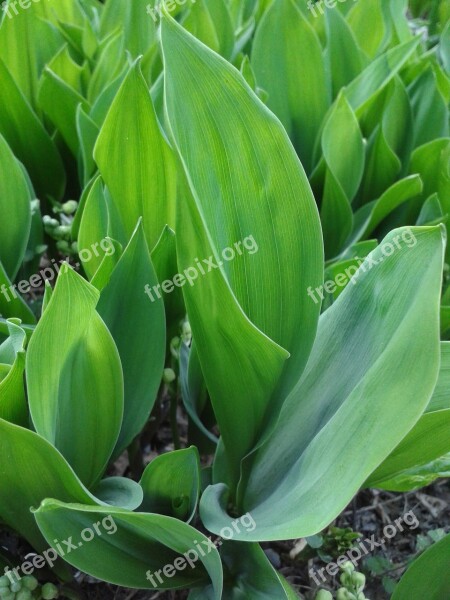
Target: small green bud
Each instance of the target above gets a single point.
(169, 376)
(346, 579)
(30, 582)
(348, 566)
(342, 594)
(5, 582)
(16, 586)
(8, 596)
(74, 247)
(49, 591)
(63, 246)
(24, 595)
(5, 592)
(359, 579)
(324, 595)
(69, 207)
(62, 231)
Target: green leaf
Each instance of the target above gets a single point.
(234, 148)
(343, 174)
(74, 376)
(370, 30)
(28, 139)
(288, 63)
(248, 574)
(431, 113)
(358, 391)
(33, 28)
(119, 492)
(13, 404)
(344, 56)
(140, 337)
(15, 209)
(171, 484)
(362, 90)
(429, 575)
(59, 102)
(369, 216)
(31, 470)
(210, 22)
(140, 548)
(136, 162)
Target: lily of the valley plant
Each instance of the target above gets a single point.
(140, 149)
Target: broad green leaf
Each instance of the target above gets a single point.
(94, 226)
(233, 374)
(13, 404)
(59, 102)
(367, 22)
(390, 143)
(28, 139)
(431, 212)
(288, 63)
(140, 336)
(74, 377)
(248, 187)
(247, 574)
(369, 216)
(366, 384)
(343, 174)
(378, 74)
(429, 576)
(432, 162)
(15, 209)
(343, 53)
(131, 17)
(431, 112)
(108, 65)
(136, 162)
(135, 548)
(119, 492)
(171, 484)
(420, 476)
(210, 22)
(33, 28)
(427, 441)
(31, 470)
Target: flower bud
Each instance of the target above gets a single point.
(24, 595)
(16, 586)
(359, 579)
(30, 582)
(324, 595)
(169, 376)
(49, 591)
(69, 207)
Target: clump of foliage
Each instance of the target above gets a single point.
(145, 144)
